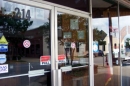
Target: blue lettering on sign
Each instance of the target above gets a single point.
(2, 58)
(3, 68)
(3, 48)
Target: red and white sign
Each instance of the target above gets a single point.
(26, 43)
(44, 60)
(62, 58)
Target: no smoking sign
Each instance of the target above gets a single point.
(26, 43)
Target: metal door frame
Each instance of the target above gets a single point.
(48, 7)
(54, 8)
(81, 14)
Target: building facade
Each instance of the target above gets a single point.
(64, 43)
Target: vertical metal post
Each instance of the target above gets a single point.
(54, 82)
(58, 72)
(91, 64)
(29, 70)
(58, 75)
(53, 66)
(59, 78)
(118, 10)
(103, 60)
(56, 39)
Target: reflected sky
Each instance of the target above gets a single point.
(103, 24)
(38, 16)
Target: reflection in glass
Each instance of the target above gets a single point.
(18, 23)
(108, 41)
(80, 34)
(74, 24)
(73, 44)
(67, 34)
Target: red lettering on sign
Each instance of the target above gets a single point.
(44, 58)
(61, 57)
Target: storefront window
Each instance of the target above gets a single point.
(106, 33)
(24, 38)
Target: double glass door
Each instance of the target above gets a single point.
(31, 48)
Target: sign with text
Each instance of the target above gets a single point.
(3, 48)
(4, 68)
(61, 59)
(45, 60)
(2, 58)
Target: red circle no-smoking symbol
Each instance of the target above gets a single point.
(26, 43)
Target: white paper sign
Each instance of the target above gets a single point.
(74, 24)
(4, 68)
(2, 58)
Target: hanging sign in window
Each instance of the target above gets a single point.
(2, 58)
(61, 59)
(3, 44)
(4, 68)
(3, 48)
(45, 60)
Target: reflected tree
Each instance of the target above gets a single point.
(45, 30)
(64, 21)
(13, 28)
(127, 43)
(96, 34)
(99, 35)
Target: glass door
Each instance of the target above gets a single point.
(73, 46)
(25, 44)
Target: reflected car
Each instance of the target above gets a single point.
(100, 53)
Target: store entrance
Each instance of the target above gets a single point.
(33, 48)
(25, 45)
(73, 47)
